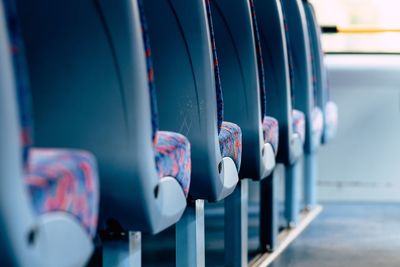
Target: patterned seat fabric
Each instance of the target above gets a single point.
(260, 60)
(58, 180)
(230, 142)
(172, 153)
(299, 124)
(271, 132)
(331, 119)
(217, 77)
(64, 180)
(317, 121)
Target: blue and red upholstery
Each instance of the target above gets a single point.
(299, 124)
(64, 180)
(229, 134)
(172, 153)
(271, 132)
(217, 77)
(171, 150)
(260, 61)
(57, 180)
(230, 142)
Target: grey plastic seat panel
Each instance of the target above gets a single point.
(239, 78)
(184, 77)
(302, 69)
(87, 66)
(277, 78)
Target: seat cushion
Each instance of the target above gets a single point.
(299, 124)
(64, 180)
(271, 132)
(331, 119)
(172, 155)
(230, 142)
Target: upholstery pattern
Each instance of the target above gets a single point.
(317, 121)
(230, 142)
(218, 88)
(172, 154)
(260, 61)
(299, 124)
(271, 132)
(150, 70)
(64, 180)
(22, 81)
(331, 118)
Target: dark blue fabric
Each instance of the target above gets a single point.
(260, 62)
(218, 88)
(21, 74)
(150, 70)
(289, 52)
(313, 58)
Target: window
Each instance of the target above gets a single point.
(371, 26)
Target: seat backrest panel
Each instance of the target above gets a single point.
(87, 66)
(239, 78)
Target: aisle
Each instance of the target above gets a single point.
(348, 235)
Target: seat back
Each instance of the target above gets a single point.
(302, 68)
(17, 219)
(90, 91)
(186, 88)
(277, 75)
(235, 44)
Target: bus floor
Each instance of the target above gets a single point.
(343, 235)
(348, 234)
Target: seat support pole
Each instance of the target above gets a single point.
(123, 251)
(310, 180)
(236, 226)
(269, 213)
(292, 198)
(190, 246)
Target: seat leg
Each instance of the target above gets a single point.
(236, 226)
(190, 246)
(310, 180)
(124, 251)
(292, 201)
(269, 213)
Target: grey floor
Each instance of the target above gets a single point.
(343, 235)
(354, 235)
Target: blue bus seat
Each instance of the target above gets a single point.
(95, 81)
(321, 80)
(54, 192)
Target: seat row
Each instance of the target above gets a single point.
(123, 117)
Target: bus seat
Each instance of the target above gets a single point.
(184, 74)
(299, 124)
(62, 185)
(242, 81)
(100, 101)
(328, 107)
